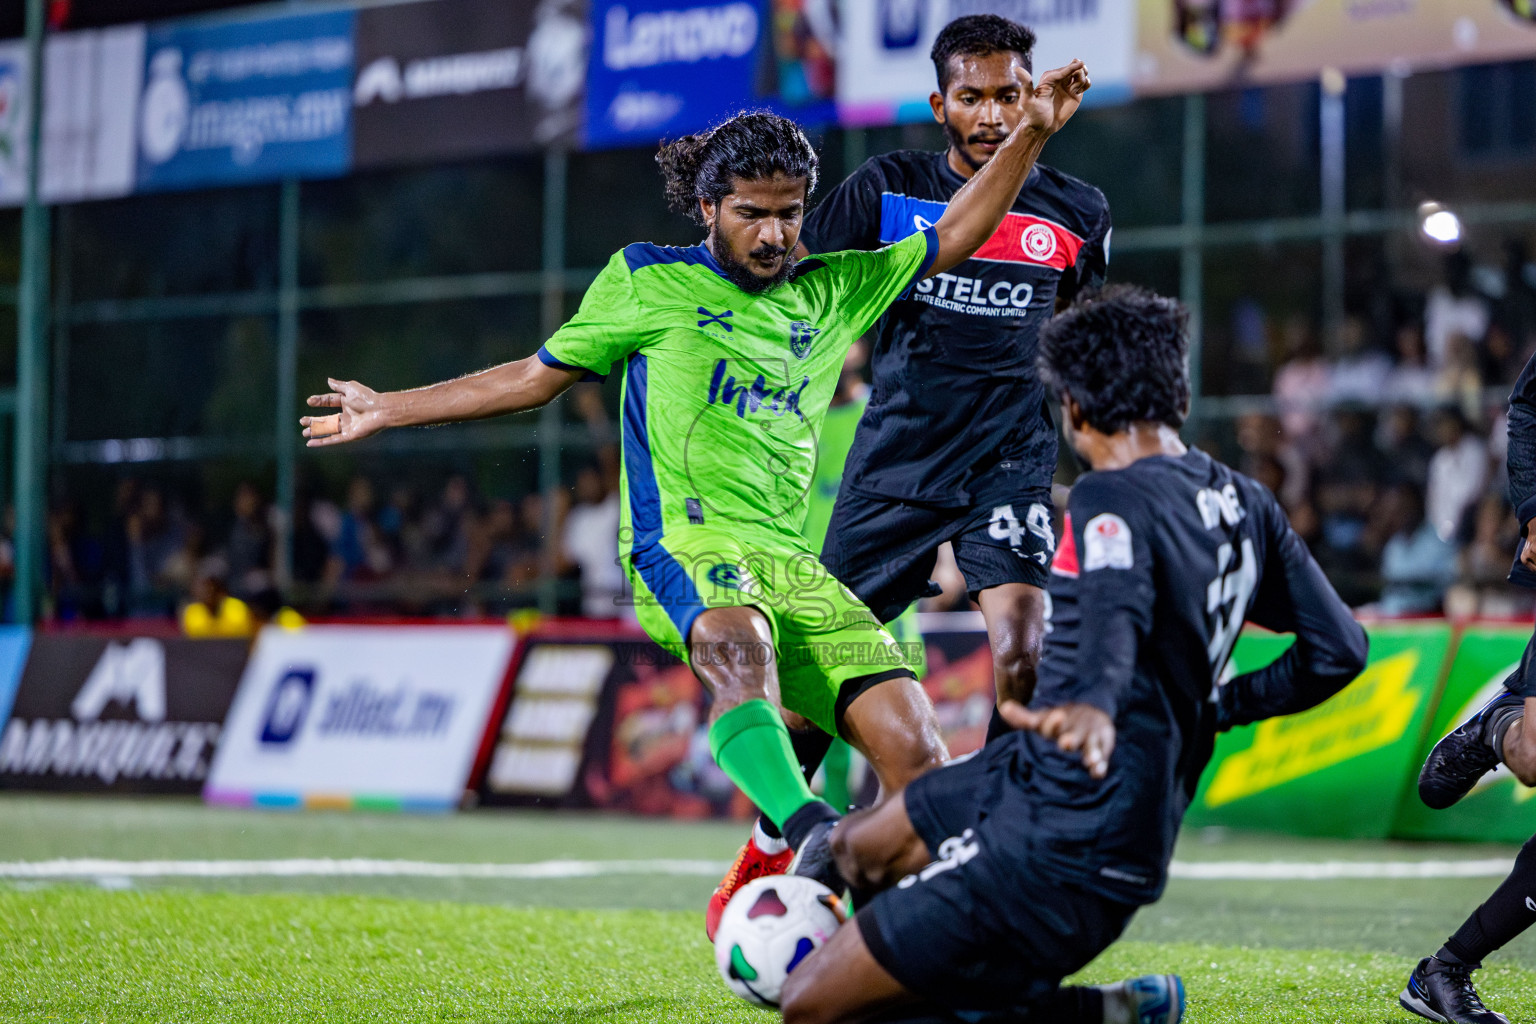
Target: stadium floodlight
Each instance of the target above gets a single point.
(1439, 224)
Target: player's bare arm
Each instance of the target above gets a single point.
(511, 387)
(978, 209)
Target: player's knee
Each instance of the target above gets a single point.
(1015, 658)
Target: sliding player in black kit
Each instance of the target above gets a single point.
(957, 442)
(1440, 987)
(1000, 875)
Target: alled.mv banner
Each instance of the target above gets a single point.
(354, 716)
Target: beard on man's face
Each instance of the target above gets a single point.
(740, 273)
(959, 142)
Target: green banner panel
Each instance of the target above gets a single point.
(1500, 809)
(1341, 768)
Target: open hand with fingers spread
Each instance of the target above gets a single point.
(1055, 98)
(1075, 728)
(361, 415)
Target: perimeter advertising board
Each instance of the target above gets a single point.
(245, 101)
(1341, 768)
(885, 75)
(601, 718)
(15, 106)
(111, 714)
(360, 716)
(1197, 45)
(452, 79)
(1499, 809)
(664, 68)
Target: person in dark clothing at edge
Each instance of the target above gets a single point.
(1000, 875)
(957, 442)
(1440, 987)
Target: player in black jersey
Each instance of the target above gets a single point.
(1440, 987)
(957, 442)
(1000, 875)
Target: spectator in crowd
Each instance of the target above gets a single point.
(589, 541)
(213, 611)
(1411, 380)
(1401, 447)
(1360, 372)
(1300, 384)
(357, 553)
(1417, 564)
(1453, 308)
(1458, 471)
(155, 537)
(248, 547)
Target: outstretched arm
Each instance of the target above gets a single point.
(511, 387)
(978, 209)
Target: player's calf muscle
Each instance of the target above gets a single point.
(723, 646)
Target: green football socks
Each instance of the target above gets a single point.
(751, 745)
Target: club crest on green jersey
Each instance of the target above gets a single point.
(801, 335)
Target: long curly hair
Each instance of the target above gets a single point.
(751, 146)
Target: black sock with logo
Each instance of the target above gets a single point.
(810, 746)
(1508, 912)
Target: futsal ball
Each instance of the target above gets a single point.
(768, 928)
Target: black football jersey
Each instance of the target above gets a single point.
(1160, 565)
(955, 390)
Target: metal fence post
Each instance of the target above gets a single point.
(31, 463)
(552, 315)
(286, 425)
(1191, 251)
(1331, 145)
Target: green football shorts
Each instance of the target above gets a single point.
(824, 639)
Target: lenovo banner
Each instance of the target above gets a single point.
(231, 102)
(96, 713)
(451, 79)
(360, 716)
(664, 68)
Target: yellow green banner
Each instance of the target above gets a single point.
(1500, 809)
(1342, 768)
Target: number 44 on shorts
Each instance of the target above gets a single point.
(1005, 526)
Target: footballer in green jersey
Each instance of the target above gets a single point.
(729, 352)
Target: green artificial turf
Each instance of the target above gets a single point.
(626, 948)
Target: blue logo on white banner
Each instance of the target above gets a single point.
(251, 101)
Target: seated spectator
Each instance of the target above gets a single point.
(1417, 564)
(248, 548)
(1360, 373)
(1401, 447)
(213, 611)
(1458, 472)
(590, 542)
(1411, 380)
(1453, 307)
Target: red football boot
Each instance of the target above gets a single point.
(750, 863)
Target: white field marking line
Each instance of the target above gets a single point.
(1328, 870)
(352, 868)
(1238, 871)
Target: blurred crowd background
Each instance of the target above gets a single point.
(1386, 448)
